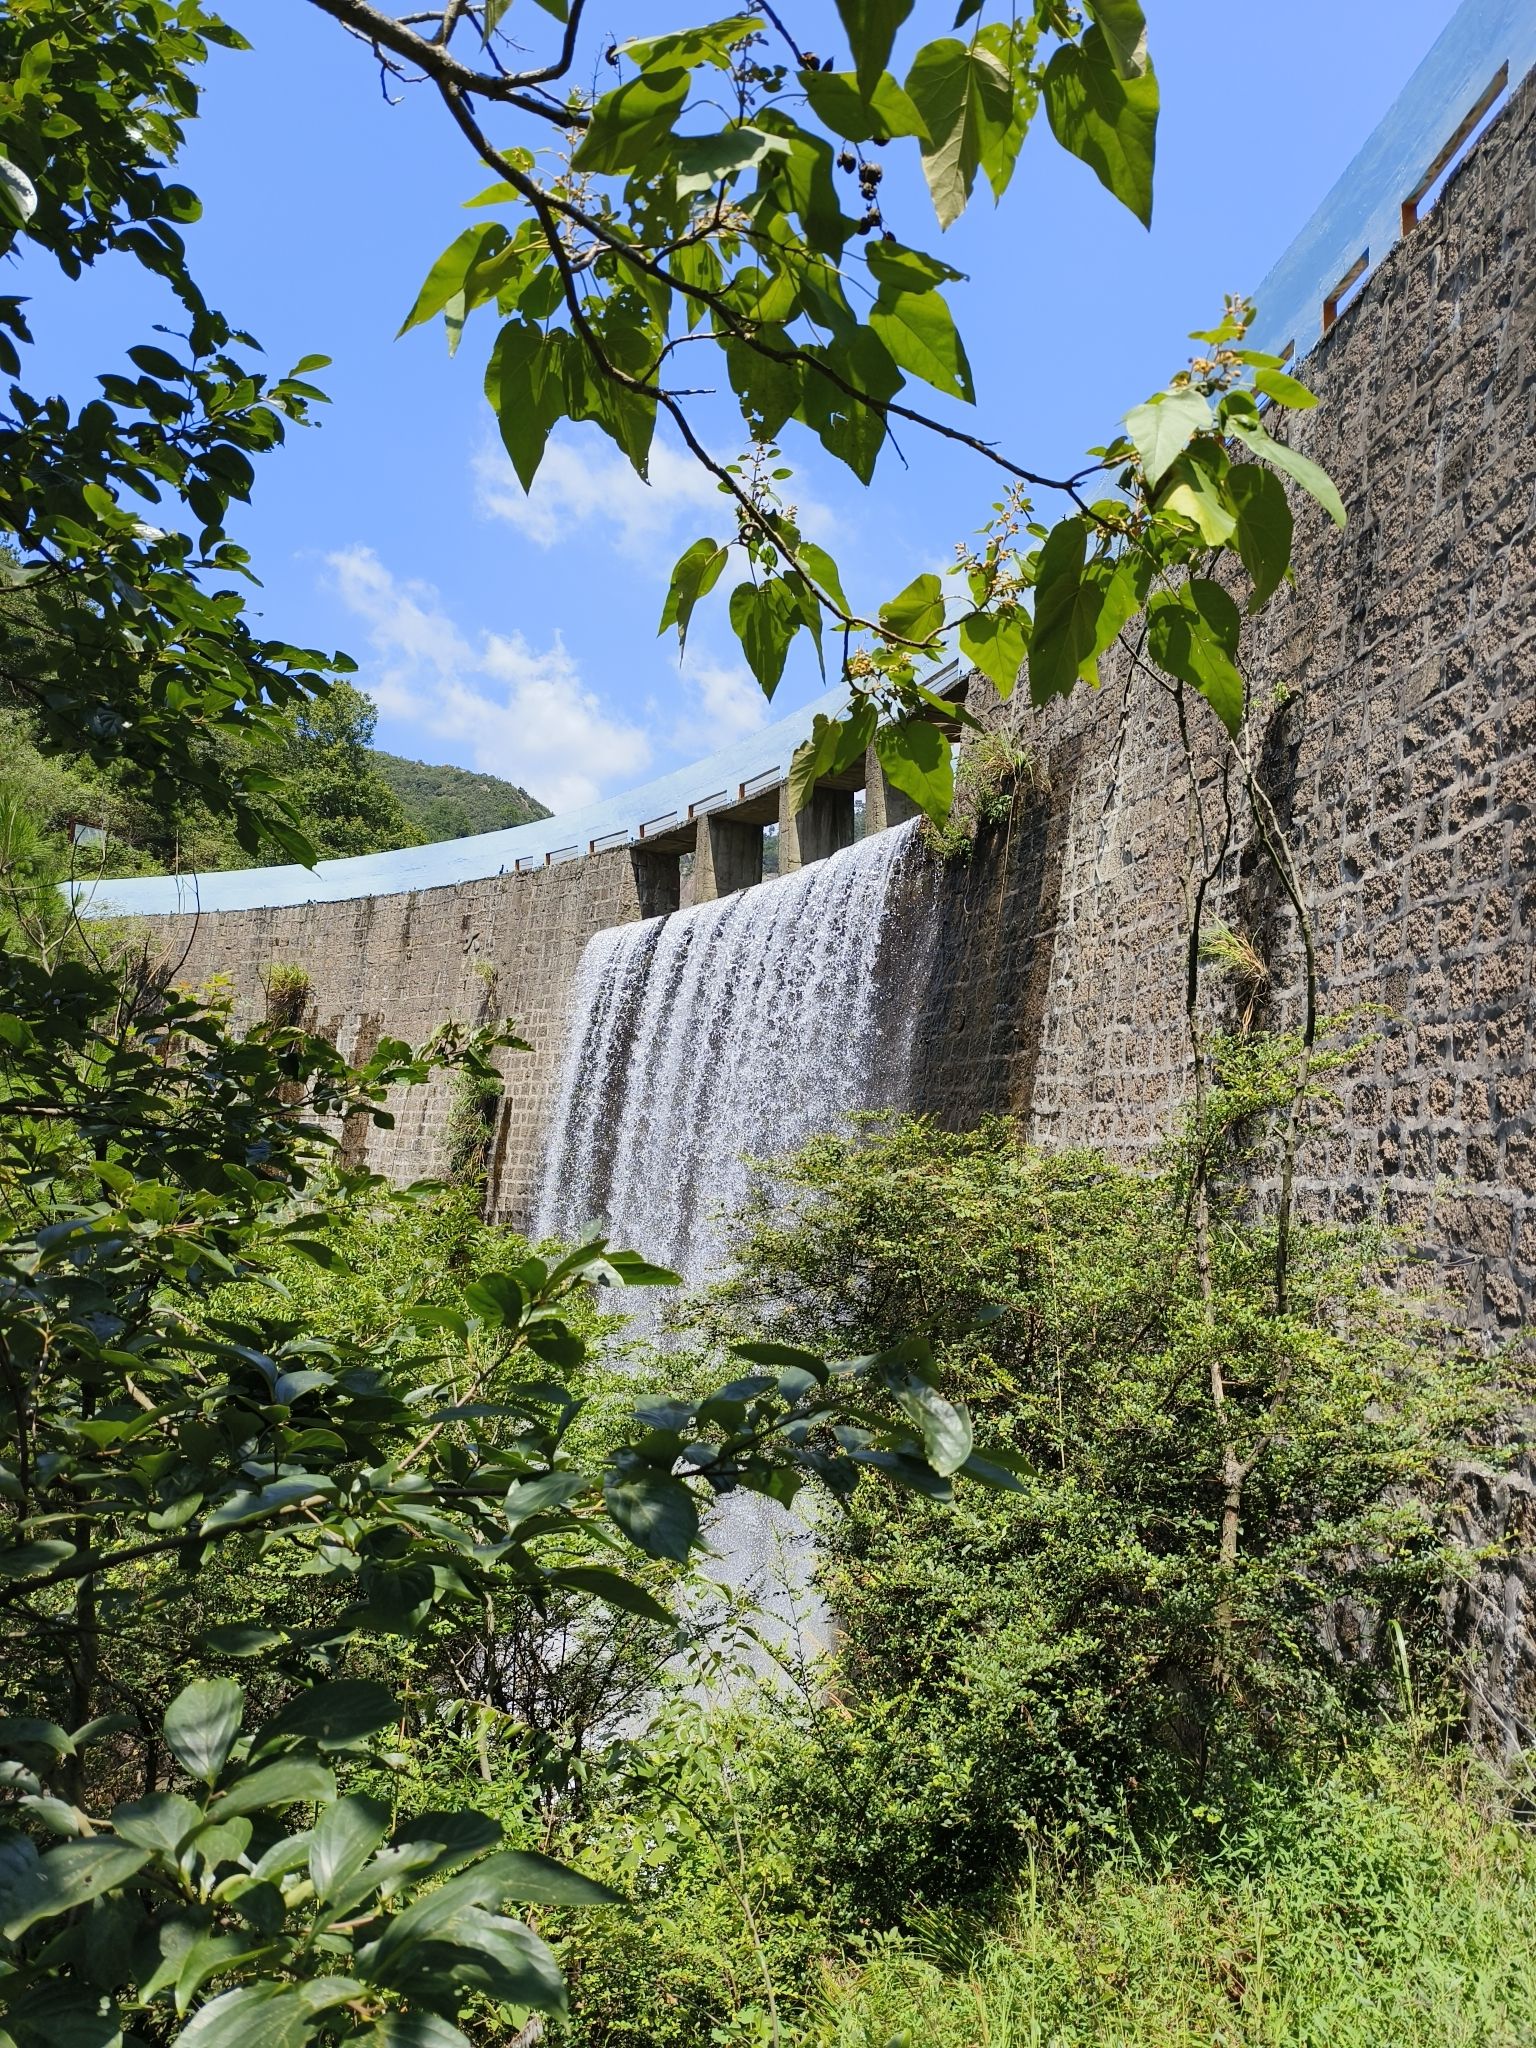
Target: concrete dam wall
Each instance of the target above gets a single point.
(1396, 695)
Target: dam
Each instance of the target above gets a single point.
(678, 1022)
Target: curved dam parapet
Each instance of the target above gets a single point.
(661, 813)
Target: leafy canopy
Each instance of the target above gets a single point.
(711, 221)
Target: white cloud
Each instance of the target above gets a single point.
(579, 482)
(523, 714)
(582, 481)
(727, 704)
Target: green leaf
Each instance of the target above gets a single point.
(446, 278)
(241, 1639)
(1124, 28)
(634, 1271)
(897, 268)
(1264, 527)
(549, 1490)
(1068, 603)
(1164, 427)
(656, 1512)
(614, 1590)
(1196, 496)
(946, 1429)
(510, 1874)
(412, 2030)
(496, 1299)
(998, 644)
(251, 2016)
(68, 1876)
(765, 623)
(24, 1732)
(1284, 390)
(917, 759)
(162, 1821)
(201, 1724)
(917, 612)
(704, 160)
(711, 43)
(530, 1879)
(286, 1783)
(696, 573)
(266, 1501)
(526, 392)
(336, 1715)
(920, 332)
(1012, 43)
(965, 98)
(1125, 592)
(820, 566)
(343, 1839)
(1314, 480)
(870, 26)
(1193, 634)
(628, 123)
(25, 1560)
(768, 1353)
(834, 744)
(626, 416)
(1107, 120)
(837, 101)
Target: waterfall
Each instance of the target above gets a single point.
(738, 1028)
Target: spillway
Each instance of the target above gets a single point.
(728, 1032)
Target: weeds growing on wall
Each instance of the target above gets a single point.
(991, 773)
(470, 1131)
(287, 989)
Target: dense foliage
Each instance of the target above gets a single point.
(1080, 1655)
(1386, 1904)
(82, 820)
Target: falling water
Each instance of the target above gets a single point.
(730, 1031)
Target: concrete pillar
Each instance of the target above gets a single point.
(821, 828)
(658, 881)
(728, 856)
(883, 803)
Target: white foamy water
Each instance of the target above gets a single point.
(733, 1030)
(737, 1028)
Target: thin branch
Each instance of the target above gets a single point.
(384, 32)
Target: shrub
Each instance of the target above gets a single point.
(989, 772)
(1077, 1656)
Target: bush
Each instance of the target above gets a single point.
(1076, 1656)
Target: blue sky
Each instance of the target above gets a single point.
(519, 635)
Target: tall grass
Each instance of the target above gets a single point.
(1387, 1908)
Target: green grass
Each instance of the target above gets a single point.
(1386, 1909)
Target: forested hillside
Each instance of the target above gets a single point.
(453, 803)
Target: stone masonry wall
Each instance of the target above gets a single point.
(1396, 729)
(401, 965)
